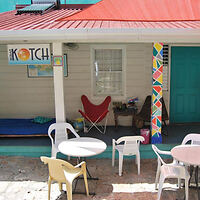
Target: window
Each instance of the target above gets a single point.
(107, 64)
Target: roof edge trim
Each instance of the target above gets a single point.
(135, 34)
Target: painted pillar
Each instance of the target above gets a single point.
(58, 85)
(156, 105)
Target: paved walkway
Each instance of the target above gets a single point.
(26, 179)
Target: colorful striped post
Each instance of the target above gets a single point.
(156, 105)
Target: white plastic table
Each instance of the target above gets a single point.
(189, 155)
(82, 147)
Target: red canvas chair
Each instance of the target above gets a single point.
(95, 113)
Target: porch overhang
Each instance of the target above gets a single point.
(138, 35)
(132, 35)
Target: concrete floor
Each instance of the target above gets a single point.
(25, 178)
(176, 133)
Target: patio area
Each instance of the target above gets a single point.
(25, 178)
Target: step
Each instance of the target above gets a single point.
(146, 151)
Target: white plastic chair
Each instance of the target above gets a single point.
(60, 135)
(172, 170)
(194, 138)
(130, 146)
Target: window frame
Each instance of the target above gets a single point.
(92, 59)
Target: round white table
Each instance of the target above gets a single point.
(189, 155)
(82, 147)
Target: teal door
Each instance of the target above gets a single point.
(185, 85)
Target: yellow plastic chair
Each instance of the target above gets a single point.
(63, 172)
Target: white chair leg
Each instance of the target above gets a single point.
(186, 189)
(179, 183)
(113, 152)
(54, 152)
(157, 176)
(138, 163)
(161, 181)
(113, 157)
(120, 163)
(156, 181)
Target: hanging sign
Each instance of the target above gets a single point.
(20, 54)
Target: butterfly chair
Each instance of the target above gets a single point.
(128, 146)
(60, 135)
(94, 114)
(63, 172)
(172, 170)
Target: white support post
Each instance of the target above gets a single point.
(58, 85)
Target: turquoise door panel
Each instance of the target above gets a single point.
(185, 85)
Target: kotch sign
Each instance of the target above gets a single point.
(29, 54)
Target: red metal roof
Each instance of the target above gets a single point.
(140, 10)
(10, 21)
(49, 21)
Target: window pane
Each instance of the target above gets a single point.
(109, 82)
(109, 59)
(108, 71)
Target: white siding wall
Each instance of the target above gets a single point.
(24, 97)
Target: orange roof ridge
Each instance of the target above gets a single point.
(140, 10)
